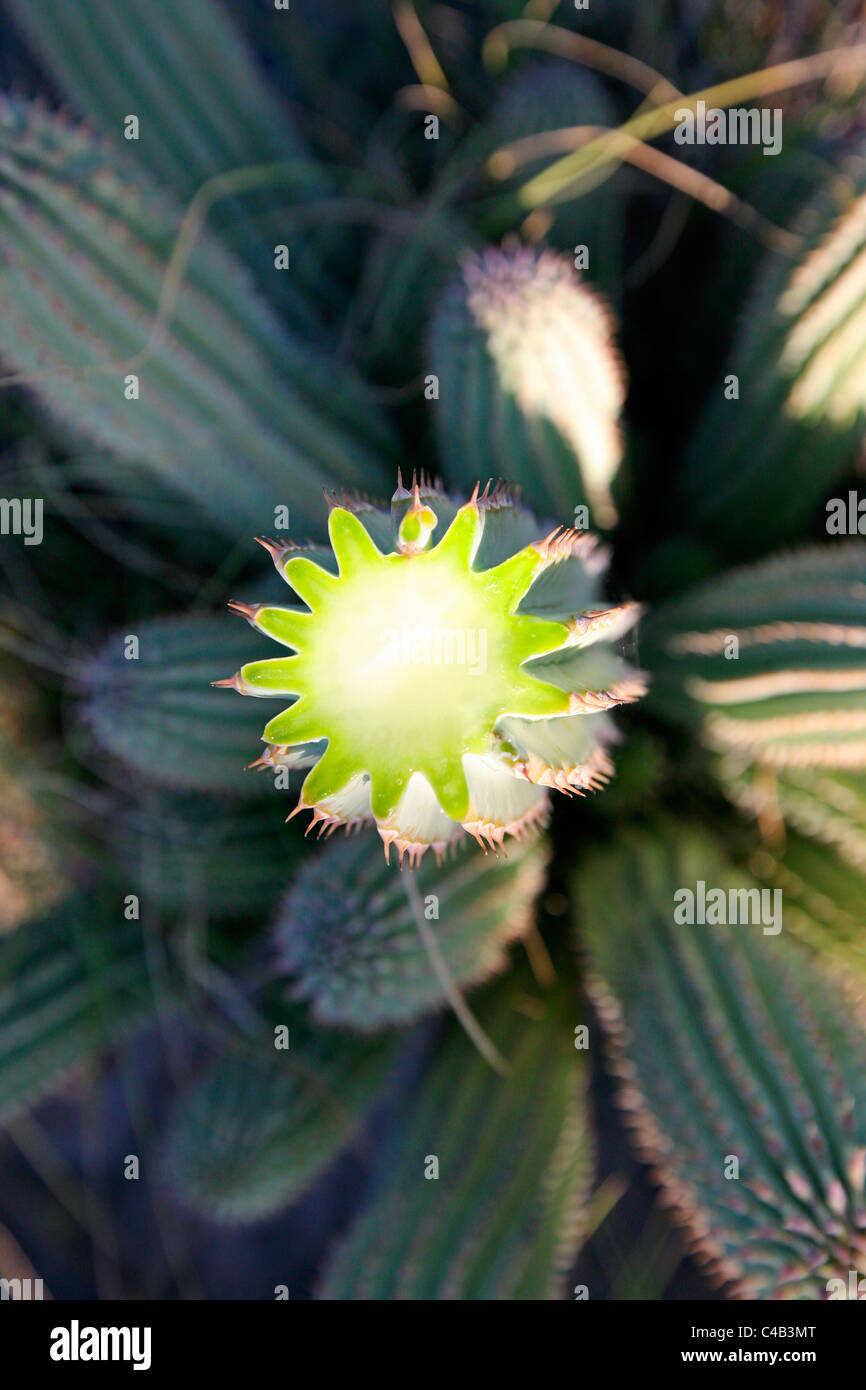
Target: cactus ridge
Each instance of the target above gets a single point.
(157, 715)
(507, 1214)
(802, 371)
(794, 692)
(551, 95)
(202, 109)
(728, 1043)
(273, 1120)
(225, 390)
(68, 990)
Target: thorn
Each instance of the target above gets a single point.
(401, 494)
(245, 610)
(301, 806)
(230, 683)
(276, 549)
(473, 500)
(388, 838)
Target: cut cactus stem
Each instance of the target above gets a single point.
(434, 696)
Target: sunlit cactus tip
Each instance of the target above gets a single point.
(445, 680)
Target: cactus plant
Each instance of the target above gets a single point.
(272, 1121)
(226, 398)
(175, 87)
(530, 384)
(823, 803)
(801, 383)
(823, 896)
(447, 700)
(69, 988)
(149, 706)
(345, 238)
(501, 1216)
(740, 1074)
(555, 95)
(770, 662)
(356, 955)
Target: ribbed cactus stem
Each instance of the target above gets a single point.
(531, 385)
(800, 362)
(729, 1044)
(227, 402)
(770, 661)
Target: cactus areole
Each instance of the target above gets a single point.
(442, 682)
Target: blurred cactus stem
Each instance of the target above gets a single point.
(531, 384)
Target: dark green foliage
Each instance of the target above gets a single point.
(729, 1043)
(355, 953)
(505, 1216)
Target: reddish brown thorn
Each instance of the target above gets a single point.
(245, 610)
(230, 683)
(276, 549)
(473, 500)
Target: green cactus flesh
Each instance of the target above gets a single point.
(445, 698)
